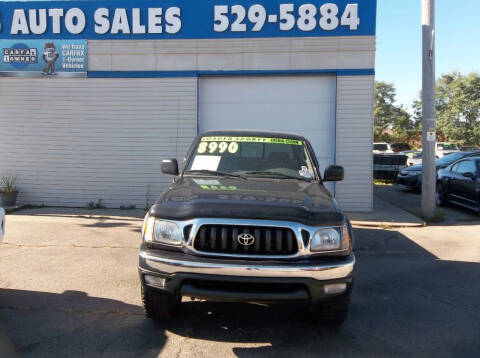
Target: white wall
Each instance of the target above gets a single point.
(355, 101)
(232, 54)
(72, 141)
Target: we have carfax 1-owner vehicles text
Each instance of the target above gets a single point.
(248, 219)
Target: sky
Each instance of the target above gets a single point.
(399, 42)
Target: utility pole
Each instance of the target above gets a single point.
(429, 116)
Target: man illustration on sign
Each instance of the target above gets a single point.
(50, 55)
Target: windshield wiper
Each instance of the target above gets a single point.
(280, 175)
(214, 172)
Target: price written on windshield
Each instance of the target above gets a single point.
(306, 17)
(213, 147)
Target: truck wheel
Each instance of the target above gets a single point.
(158, 305)
(331, 312)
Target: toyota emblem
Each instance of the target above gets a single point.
(246, 239)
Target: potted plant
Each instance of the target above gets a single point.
(8, 190)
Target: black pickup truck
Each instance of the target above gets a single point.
(248, 219)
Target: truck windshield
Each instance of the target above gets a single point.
(380, 147)
(251, 157)
(447, 146)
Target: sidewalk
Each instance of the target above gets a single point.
(116, 214)
(385, 215)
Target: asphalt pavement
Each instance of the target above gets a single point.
(69, 288)
(411, 201)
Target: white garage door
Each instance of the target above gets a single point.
(303, 105)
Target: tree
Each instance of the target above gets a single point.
(392, 122)
(458, 107)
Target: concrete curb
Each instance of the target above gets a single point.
(11, 209)
(81, 216)
(386, 215)
(386, 224)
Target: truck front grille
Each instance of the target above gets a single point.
(224, 239)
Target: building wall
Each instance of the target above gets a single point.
(232, 54)
(72, 141)
(354, 127)
(355, 102)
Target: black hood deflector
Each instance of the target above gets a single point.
(264, 199)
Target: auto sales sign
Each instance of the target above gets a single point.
(185, 19)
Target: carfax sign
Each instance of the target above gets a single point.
(185, 19)
(43, 58)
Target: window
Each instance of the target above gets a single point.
(455, 167)
(273, 149)
(449, 159)
(380, 147)
(399, 147)
(447, 146)
(251, 150)
(467, 166)
(252, 157)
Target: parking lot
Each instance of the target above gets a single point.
(410, 201)
(69, 287)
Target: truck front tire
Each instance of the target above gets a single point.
(158, 305)
(331, 312)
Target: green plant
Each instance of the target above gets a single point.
(147, 198)
(95, 205)
(31, 206)
(8, 184)
(383, 182)
(128, 207)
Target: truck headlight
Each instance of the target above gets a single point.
(330, 239)
(163, 232)
(166, 232)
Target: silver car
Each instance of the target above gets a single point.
(2, 224)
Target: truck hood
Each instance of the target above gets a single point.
(254, 198)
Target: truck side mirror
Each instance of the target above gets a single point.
(170, 166)
(469, 175)
(333, 173)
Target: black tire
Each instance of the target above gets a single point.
(160, 306)
(441, 195)
(331, 312)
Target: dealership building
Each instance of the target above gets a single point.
(94, 94)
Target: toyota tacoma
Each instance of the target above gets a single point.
(247, 218)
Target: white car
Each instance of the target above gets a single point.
(444, 148)
(382, 148)
(415, 159)
(2, 224)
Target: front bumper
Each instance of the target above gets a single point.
(243, 280)
(410, 181)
